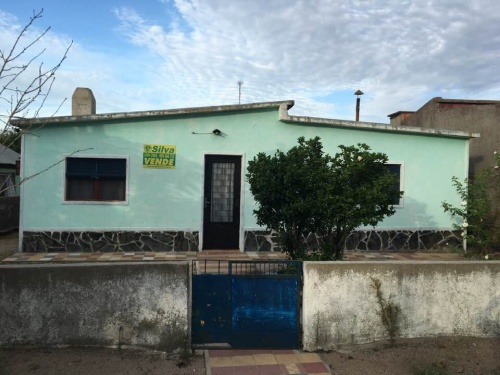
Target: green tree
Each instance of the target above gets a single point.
(307, 191)
(360, 192)
(478, 217)
(11, 138)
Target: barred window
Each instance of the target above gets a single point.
(96, 179)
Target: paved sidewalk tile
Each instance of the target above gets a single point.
(265, 359)
(264, 362)
(205, 258)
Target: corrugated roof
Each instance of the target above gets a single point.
(8, 156)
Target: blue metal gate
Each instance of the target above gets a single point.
(246, 304)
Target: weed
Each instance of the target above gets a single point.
(185, 355)
(431, 369)
(317, 330)
(389, 312)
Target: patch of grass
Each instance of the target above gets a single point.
(431, 369)
(389, 311)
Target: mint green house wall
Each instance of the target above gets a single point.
(167, 204)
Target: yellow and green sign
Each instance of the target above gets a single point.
(158, 156)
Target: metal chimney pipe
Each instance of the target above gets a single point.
(358, 103)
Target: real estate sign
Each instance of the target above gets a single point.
(158, 156)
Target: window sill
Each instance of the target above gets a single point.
(99, 203)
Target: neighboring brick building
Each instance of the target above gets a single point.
(478, 116)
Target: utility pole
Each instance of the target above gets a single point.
(240, 83)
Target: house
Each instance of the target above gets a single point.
(8, 180)
(9, 190)
(481, 116)
(174, 180)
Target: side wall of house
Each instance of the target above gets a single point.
(95, 305)
(467, 116)
(166, 205)
(340, 306)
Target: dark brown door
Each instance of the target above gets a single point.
(221, 219)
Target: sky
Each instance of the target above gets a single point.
(165, 54)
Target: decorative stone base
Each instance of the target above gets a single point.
(366, 240)
(402, 240)
(119, 241)
(255, 241)
(261, 240)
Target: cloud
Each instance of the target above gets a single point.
(397, 52)
(117, 80)
(401, 53)
(26, 54)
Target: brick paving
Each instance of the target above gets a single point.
(263, 362)
(8, 251)
(209, 256)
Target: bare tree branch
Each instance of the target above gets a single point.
(46, 169)
(25, 87)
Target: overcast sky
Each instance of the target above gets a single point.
(160, 54)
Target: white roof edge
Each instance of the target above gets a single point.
(24, 122)
(283, 106)
(285, 117)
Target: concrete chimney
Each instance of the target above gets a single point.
(83, 102)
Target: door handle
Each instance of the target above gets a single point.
(207, 202)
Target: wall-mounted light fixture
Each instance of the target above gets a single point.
(214, 132)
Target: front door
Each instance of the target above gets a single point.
(221, 218)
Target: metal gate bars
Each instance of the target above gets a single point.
(246, 304)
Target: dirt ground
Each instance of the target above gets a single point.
(83, 361)
(430, 356)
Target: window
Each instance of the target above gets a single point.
(95, 179)
(395, 169)
(7, 188)
(222, 193)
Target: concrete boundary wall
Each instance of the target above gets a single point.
(134, 304)
(435, 298)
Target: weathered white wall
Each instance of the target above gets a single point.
(139, 304)
(436, 299)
